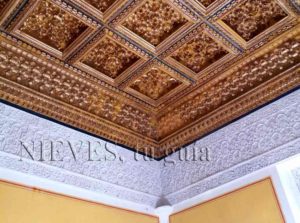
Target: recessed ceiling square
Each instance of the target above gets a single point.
(252, 17)
(199, 53)
(110, 58)
(53, 26)
(154, 21)
(155, 83)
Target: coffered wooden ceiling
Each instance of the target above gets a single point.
(152, 75)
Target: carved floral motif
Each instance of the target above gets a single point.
(253, 17)
(56, 84)
(110, 58)
(231, 86)
(155, 83)
(101, 5)
(154, 21)
(199, 53)
(122, 114)
(206, 3)
(258, 72)
(53, 26)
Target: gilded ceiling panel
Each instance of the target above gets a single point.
(199, 53)
(252, 17)
(152, 75)
(110, 58)
(154, 21)
(53, 26)
(155, 83)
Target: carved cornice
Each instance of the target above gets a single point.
(125, 102)
(68, 98)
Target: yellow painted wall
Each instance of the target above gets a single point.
(24, 205)
(256, 203)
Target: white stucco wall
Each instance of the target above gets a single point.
(258, 140)
(137, 181)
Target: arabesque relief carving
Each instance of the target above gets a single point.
(53, 26)
(56, 84)
(147, 74)
(110, 58)
(154, 21)
(155, 83)
(254, 16)
(238, 82)
(199, 53)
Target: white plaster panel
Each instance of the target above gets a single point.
(257, 140)
(137, 179)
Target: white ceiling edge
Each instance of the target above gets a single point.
(256, 141)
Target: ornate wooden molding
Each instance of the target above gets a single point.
(153, 88)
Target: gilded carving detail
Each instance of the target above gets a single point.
(231, 86)
(110, 58)
(54, 83)
(206, 3)
(155, 83)
(119, 78)
(3, 3)
(32, 74)
(101, 5)
(53, 26)
(123, 114)
(253, 17)
(154, 21)
(199, 53)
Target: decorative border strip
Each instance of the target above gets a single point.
(280, 153)
(25, 166)
(255, 98)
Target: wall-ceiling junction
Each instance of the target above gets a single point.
(150, 75)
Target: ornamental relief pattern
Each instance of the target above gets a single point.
(199, 53)
(53, 26)
(154, 21)
(264, 137)
(254, 16)
(51, 82)
(56, 84)
(123, 114)
(155, 83)
(230, 87)
(152, 70)
(110, 58)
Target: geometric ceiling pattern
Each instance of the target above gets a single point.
(153, 75)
